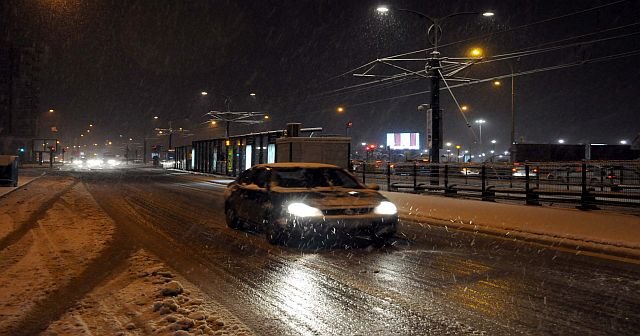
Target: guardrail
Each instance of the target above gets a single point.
(587, 184)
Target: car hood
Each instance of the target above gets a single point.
(328, 198)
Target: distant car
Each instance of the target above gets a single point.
(290, 201)
(469, 171)
(519, 171)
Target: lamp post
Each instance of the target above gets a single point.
(229, 116)
(433, 66)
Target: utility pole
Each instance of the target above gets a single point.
(433, 70)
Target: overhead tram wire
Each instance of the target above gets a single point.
(480, 81)
(485, 36)
(554, 48)
(527, 52)
(454, 43)
(522, 73)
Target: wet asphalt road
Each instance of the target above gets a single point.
(430, 280)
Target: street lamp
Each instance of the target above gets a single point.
(623, 142)
(480, 122)
(433, 66)
(560, 141)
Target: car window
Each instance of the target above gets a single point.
(246, 177)
(314, 177)
(261, 178)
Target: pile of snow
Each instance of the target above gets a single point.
(148, 298)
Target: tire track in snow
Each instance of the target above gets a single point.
(31, 222)
(109, 261)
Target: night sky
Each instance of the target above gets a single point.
(119, 63)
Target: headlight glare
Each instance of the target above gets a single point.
(385, 208)
(303, 210)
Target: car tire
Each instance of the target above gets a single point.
(380, 240)
(274, 234)
(231, 217)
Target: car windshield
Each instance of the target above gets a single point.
(313, 178)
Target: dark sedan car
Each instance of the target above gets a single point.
(292, 201)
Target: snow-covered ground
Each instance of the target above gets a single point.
(600, 231)
(147, 298)
(51, 233)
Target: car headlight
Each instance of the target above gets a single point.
(385, 208)
(303, 210)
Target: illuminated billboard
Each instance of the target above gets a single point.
(403, 140)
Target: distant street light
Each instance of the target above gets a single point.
(623, 142)
(51, 110)
(204, 93)
(480, 122)
(464, 107)
(156, 117)
(252, 94)
(340, 109)
(560, 141)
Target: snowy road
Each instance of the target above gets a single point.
(430, 281)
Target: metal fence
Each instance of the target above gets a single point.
(587, 184)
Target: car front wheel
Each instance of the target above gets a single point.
(231, 217)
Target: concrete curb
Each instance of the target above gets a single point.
(20, 186)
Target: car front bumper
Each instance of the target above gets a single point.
(358, 225)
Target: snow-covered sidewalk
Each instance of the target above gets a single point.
(597, 231)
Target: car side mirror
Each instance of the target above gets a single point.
(373, 186)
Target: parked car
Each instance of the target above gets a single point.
(290, 201)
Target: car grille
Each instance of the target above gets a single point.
(347, 212)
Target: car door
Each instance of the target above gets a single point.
(240, 196)
(258, 196)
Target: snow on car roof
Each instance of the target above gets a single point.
(296, 165)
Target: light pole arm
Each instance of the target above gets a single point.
(420, 14)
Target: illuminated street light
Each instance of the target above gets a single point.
(488, 14)
(497, 83)
(382, 9)
(204, 93)
(480, 122)
(266, 117)
(464, 108)
(252, 94)
(560, 141)
(51, 110)
(340, 109)
(476, 52)
(156, 117)
(493, 141)
(623, 142)
(213, 122)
